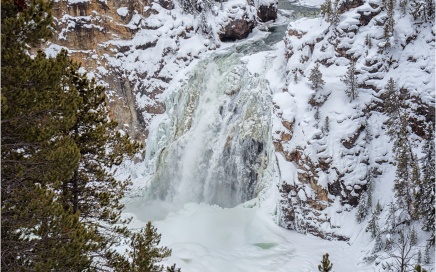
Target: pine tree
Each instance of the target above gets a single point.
(362, 210)
(427, 255)
(325, 265)
(390, 22)
(326, 10)
(316, 116)
(365, 202)
(146, 252)
(350, 79)
(316, 77)
(92, 192)
(326, 128)
(37, 109)
(425, 195)
(378, 245)
(373, 226)
(59, 201)
(378, 208)
(391, 219)
(398, 130)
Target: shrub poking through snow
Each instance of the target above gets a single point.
(325, 265)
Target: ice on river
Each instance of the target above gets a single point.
(208, 238)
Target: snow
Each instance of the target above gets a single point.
(244, 238)
(123, 11)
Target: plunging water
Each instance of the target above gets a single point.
(213, 145)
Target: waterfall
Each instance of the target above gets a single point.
(213, 144)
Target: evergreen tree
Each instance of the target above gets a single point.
(398, 130)
(316, 116)
(423, 10)
(92, 191)
(326, 128)
(350, 79)
(325, 265)
(425, 195)
(418, 268)
(365, 202)
(59, 200)
(146, 251)
(378, 245)
(378, 208)
(327, 11)
(390, 22)
(316, 77)
(427, 255)
(392, 219)
(37, 108)
(373, 226)
(362, 210)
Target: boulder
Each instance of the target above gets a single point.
(236, 29)
(166, 4)
(267, 13)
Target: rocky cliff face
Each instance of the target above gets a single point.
(331, 149)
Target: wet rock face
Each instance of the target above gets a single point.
(267, 13)
(236, 29)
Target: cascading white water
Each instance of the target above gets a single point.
(213, 145)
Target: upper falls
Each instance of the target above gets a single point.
(213, 144)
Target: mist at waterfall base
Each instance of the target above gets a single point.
(210, 170)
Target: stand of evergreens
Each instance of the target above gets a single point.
(60, 201)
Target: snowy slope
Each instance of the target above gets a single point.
(325, 172)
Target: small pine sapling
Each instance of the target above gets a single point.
(326, 128)
(378, 208)
(173, 268)
(418, 268)
(325, 265)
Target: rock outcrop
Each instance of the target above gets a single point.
(236, 30)
(267, 13)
